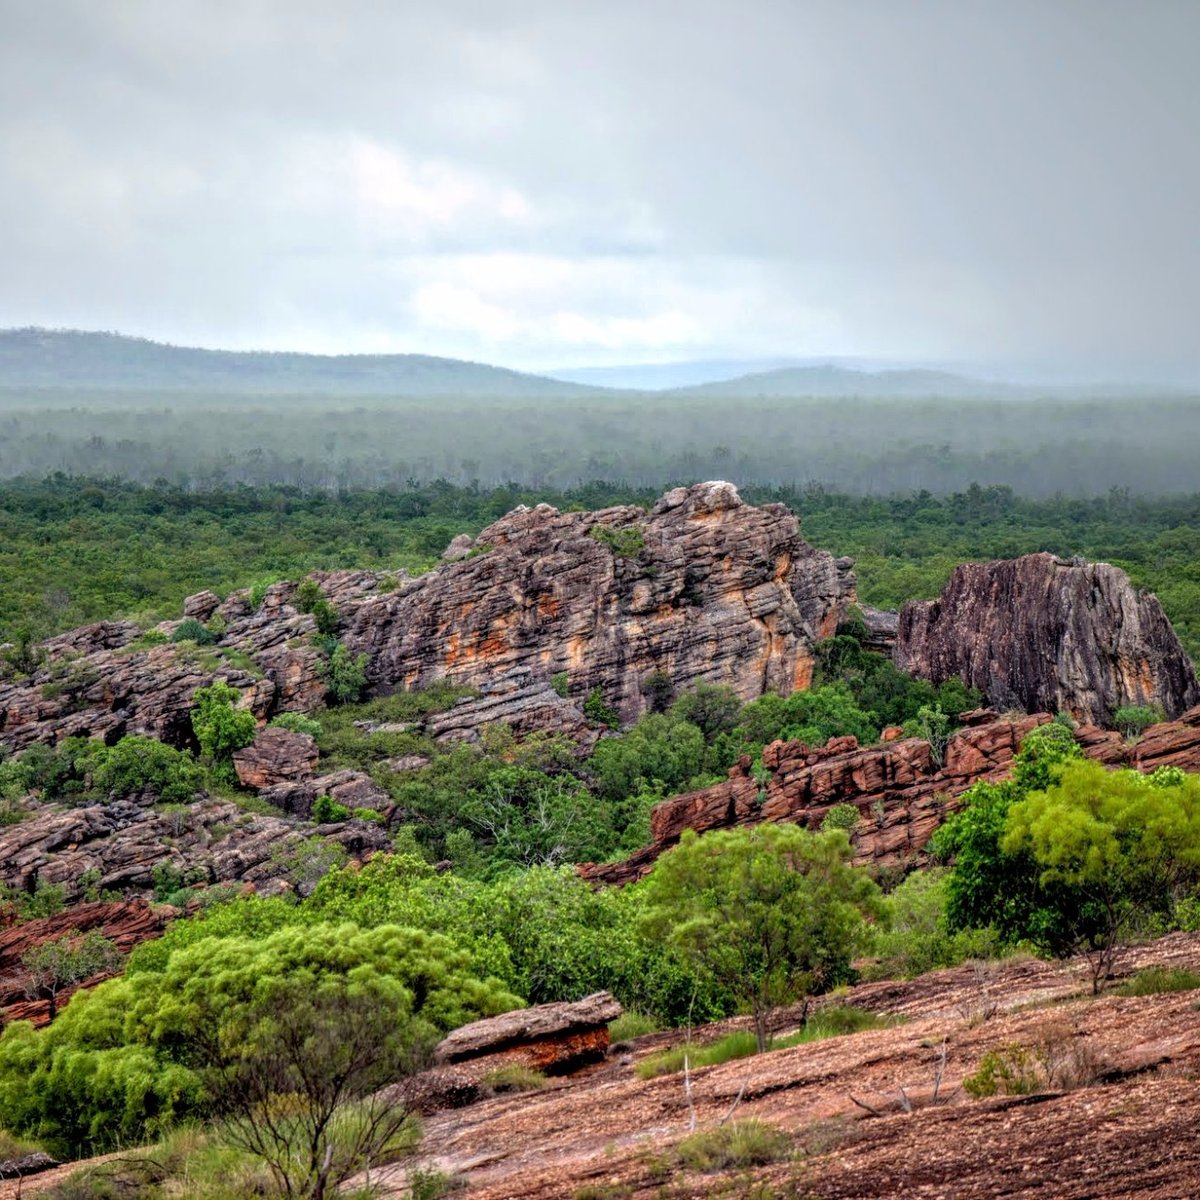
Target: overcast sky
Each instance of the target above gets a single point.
(602, 181)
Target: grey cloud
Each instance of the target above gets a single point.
(963, 180)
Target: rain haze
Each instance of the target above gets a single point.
(1009, 186)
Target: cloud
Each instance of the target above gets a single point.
(540, 183)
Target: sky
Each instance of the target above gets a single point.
(581, 183)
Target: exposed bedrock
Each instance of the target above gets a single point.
(1044, 634)
(704, 588)
(902, 794)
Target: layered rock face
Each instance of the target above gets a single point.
(902, 794)
(703, 589)
(1043, 634)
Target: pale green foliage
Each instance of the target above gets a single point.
(122, 1060)
(64, 962)
(773, 912)
(1134, 719)
(297, 723)
(840, 816)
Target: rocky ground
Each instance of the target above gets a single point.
(1117, 1117)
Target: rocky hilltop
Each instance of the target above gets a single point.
(703, 588)
(1040, 633)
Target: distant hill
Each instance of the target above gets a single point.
(842, 381)
(44, 358)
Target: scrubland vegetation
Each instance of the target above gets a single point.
(206, 1041)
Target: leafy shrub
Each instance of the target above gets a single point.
(326, 811)
(741, 1044)
(1009, 1071)
(141, 764)
(191, 630)
(1135, 719)
(219, 727)
(297, 723)
(595, 708)
(560, 683)
(120, 1063)
(840, 816)
(345, 676)
(625, 542)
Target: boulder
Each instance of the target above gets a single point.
(553, 1038)
(201, 605)
(1044, 634)
(276, 756)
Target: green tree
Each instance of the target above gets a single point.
(773, 912)
(129, 1058)
(1114, 845)
(219, 727)
(345, 675)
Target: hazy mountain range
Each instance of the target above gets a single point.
(34, 358)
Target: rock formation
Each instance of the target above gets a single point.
(1043, 634)
(901, 792)
(211, 841)
(276, 756)
(555, 1038)
(126, 923)
(704, 588)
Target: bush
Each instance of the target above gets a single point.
(140, 764)
(626, 542)
(1009, 1071)
(297, 723)
(1134, 719)
(326, 811)
(190, 630)
(1150, 981)
(219, 727)
(596, 709)
(840, 816)
(345, 676)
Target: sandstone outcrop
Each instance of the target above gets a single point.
(901, 792)
(1044, 634)
(209, 842)
(126, 923)
(704, 588)
(276, 756)
(554, 1038)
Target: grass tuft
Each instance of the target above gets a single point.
(747, 1143)
(1151, 981)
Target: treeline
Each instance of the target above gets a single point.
(852, 445)
(77, 549)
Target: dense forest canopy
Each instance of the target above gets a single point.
(1039, 447)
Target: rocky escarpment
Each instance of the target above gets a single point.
(704, 588)
(901, 791)
(1043, 634)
